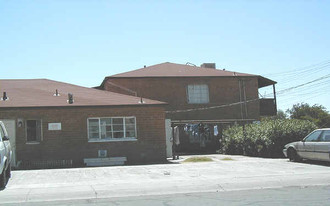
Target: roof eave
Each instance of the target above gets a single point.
(264, 82)
(74, 106)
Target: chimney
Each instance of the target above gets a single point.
(208, 65)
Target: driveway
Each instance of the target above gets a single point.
(224, 173)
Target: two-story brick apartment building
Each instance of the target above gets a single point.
(197, 95)
(49, 128)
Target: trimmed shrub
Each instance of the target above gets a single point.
(266, 139)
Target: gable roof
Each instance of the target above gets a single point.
(40, 93)
(168, 69)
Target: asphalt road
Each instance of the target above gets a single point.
(313, 195)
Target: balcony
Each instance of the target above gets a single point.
(267, 107)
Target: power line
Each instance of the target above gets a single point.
(301, 85)
(213, 107)
(303, 69)
(298, 76)
(279, 93)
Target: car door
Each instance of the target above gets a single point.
(322, 147)
(307, 146)
(2, 148)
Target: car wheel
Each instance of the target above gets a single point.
(292, 155)
(8, 171)
(3, 179)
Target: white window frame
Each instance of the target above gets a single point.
(192, 99)
(112, 139)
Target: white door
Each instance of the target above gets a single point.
(11, 129)
(169, 138)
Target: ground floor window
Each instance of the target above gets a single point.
(33, 130)
(111, 128)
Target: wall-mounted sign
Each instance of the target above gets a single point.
(54, 126)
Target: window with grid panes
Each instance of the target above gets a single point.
(110, 128)
(198, 94)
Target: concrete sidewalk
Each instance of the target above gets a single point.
(240, 173)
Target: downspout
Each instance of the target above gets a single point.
(275, 101)
(240, 97)
(246, 112)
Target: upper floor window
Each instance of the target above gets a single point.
(198, 94)
(111, 128)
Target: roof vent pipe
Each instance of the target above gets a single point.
(70, 98)
(4, 97)
(141, 101)
(56, 93)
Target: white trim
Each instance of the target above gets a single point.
(112, 139)
(32, 142)
(105, 161)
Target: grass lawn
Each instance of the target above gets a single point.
(227, 159)
(198, 159)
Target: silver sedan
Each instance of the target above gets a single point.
(315, 146)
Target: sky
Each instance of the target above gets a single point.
(81, 42)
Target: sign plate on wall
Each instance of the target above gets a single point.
(54, 126)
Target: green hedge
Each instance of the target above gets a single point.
(266, 139)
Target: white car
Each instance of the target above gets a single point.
(5, 156)
(315, 146)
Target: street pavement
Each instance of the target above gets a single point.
(300, 196)
(221, 175)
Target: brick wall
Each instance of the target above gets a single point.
(173, 90)
(72, 141)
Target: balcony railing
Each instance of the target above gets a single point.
(267, 107)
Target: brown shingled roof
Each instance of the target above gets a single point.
(40, 93)
(168, 69)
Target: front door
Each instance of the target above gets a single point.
(11, 129)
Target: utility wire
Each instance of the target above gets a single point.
(303, 69)
(213, 107)
(321, 66)
(301, 85)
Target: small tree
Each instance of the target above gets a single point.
(315, 113)
(280, 115)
